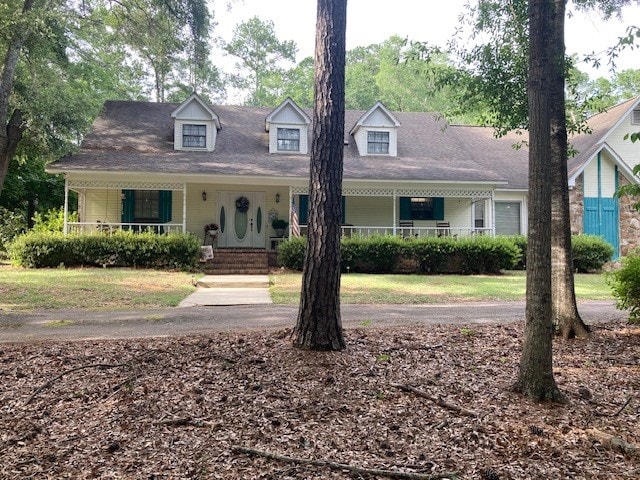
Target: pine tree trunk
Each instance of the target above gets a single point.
(566, 318)
(319, 325)
(11, 126)
(535, 378)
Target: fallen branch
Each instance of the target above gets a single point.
(613, 443)
(622, 407)
(75, 369)
(437, 400)
(344, 466)
(187, 421)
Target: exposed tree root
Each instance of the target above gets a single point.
(344, 466)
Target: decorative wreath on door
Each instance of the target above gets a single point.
(242, 204)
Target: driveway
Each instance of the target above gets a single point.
(83, 325)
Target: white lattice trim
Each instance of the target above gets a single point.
(387, 192)
(90, 184)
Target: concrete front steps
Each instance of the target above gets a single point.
(240, 261)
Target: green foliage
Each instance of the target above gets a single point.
(521, 243)
(387, 254)
(52, 220)
(12, 224)
(291, 253)
(590, 252)
(120, 249)
(625, 285)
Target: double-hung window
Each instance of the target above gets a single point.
(635, 116)
(194, 136)
(289, 139)
(378, 142)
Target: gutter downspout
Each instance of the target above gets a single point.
(66, 206)
(394, 213)
(184, 208)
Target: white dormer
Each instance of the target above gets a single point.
(288, 127)
(195, 126)
(376, 132)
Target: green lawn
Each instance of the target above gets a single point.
(96, 288)
(92, 288)
(361, 288)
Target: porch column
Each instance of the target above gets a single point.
(184, 208)
(66, 206)
(493, 214)
(394, 212)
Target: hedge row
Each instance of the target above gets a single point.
(120, 249)
(590, 252)
(467, 255)
(388, 254)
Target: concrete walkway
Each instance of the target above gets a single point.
(221, 290)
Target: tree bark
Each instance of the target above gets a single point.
(11, 126)
(535, 377)
(319, 325)
(566, 319)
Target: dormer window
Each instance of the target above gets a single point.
(195, 125)
(377, 143)
(376, 132)
(194, 136)
(288, 128)
(288, 139)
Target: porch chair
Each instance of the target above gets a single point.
(406, 228)
(442, 229)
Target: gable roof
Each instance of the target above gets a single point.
(601, 126)
(194, 97)
(365, 116)
(138, 137)
(287, 103)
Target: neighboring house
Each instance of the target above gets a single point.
(179, 167)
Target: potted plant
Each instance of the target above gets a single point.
(211, 228)
(279, 225)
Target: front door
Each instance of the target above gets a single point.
(242, 219)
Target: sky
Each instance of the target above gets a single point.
(433, 21)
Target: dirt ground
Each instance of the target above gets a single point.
(184, 407)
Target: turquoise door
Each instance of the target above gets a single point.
(601, 213)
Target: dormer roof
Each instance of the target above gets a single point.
(287, 112)
(376, 116)
(195, 108)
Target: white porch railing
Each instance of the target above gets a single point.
(87, 228)
(408, 232)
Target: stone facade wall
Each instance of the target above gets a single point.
(629, 220)
(576, 206)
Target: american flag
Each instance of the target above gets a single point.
(295, 224)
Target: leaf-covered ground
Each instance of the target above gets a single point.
(176, 408)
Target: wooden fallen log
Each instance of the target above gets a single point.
(437, 400)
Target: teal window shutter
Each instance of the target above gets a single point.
(438, 208)
(405, 208)
(304, 209)
(165, 198)
(128, 206)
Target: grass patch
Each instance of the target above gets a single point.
(91, 288)
(419, 289)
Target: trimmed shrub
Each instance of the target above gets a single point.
(389, 254)
(291, 253)
(520, 242)
(625, 285)
(120, 249)
(590, 252)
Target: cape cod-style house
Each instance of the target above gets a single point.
(169, 167)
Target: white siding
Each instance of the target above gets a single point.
(607, 177)
(369, 211)
(102, 205)
(627, 150)
(288, 114)
(194, 111)
(378, 118)
(591, 179)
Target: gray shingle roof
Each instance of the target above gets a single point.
(138, 137)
